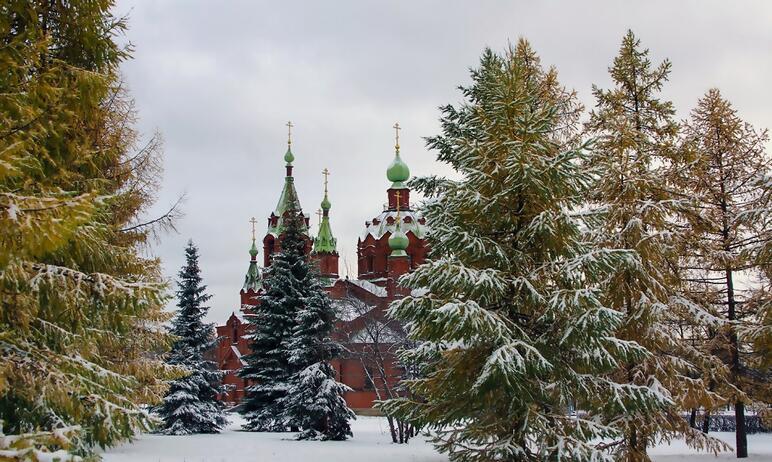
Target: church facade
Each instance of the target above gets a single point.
(391, 244)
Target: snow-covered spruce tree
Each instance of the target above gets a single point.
(635, 143)
(191, 405)
(727, 173)
(511, 331)
(80, 308)
(267, 368)
(314, 401)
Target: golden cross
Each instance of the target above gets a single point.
(397, 194)
(253, 221)
(289, 133)
(326, 173)
(319, 216)
(396, 131)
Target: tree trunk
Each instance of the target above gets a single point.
(392, 429)
(706, 422)
(741, 439)
(693, 418)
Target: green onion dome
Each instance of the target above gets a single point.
(326, 203)
(398, 242)
(398, 172)
(288, 156)
(253, 250)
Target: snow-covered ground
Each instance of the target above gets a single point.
(371, 443)
(759, 449)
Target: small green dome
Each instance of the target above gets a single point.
(326, 203)
(398, 172)
(288, 156)
(398, 242)
(253, 250)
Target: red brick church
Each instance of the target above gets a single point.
(391, 244)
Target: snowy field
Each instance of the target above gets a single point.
(759, 449)
(371, 443)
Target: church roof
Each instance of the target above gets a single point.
(387, 222)
(288, 200)
(252, 281)
(376, 290)
(325, 242)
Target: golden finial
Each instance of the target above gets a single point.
(396, 133)
(319, 217)
(326, 173)
(397, 194)
(253, 221)
(289, 133)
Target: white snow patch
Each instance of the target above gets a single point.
(759, 449)
(376, 290)
(371, 443)
(13, 211)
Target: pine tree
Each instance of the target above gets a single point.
(315, 401)
(267, 368)
(636, 138)
(80, 308)
(191, 405)
(728, 175)
(512, 331)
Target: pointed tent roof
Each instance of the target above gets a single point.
(288, 199)
(252, 281)
(325, 242)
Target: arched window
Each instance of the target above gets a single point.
(370, 263)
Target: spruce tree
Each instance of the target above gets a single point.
(191, 405)
(268, 368)
(80, 307)
(512, 331)
(727, 173)
(635, 144)
(315, 401)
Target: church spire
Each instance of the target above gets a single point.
(288, 156)
(325, 242)
(252, 281)
(398, 171)
(288, 200)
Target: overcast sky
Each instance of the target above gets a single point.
(220, 79)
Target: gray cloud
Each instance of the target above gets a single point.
(220, 80)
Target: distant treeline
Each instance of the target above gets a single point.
(727, 423)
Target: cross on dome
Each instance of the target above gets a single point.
(396, 135)
(253, 221)
(326, 174)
